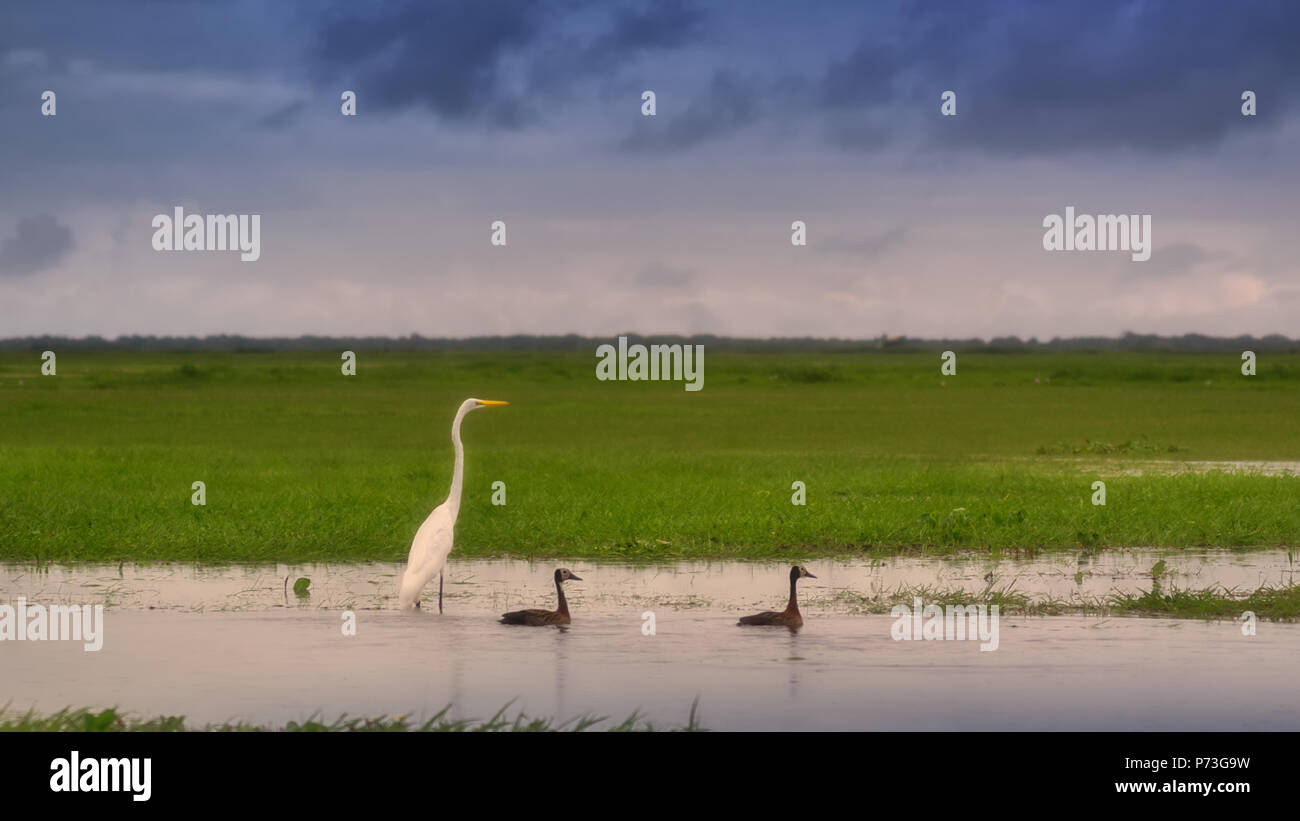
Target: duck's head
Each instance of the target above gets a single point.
(564, 574)
(800, 572)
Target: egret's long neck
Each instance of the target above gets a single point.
(458, 473)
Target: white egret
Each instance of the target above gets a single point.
(434, 538)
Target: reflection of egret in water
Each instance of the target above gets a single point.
(444, 676)
(455, 652)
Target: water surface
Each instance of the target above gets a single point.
(218, 644)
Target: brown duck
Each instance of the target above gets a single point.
(541, 618)
(789, 617)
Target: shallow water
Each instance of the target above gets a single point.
(611, 587)
(223, 645)
(1165, 467)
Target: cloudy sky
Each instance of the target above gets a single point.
(767, 112)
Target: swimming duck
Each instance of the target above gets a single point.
(789, 617)
(541, 618)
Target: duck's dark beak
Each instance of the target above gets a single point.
(574, 578)
(809, 575)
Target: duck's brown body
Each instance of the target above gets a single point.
(543, 618)
(790, 616)
(537, 618)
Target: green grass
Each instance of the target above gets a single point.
(1212, 603)
(1273, 603)
(304, 464)
(112, 721)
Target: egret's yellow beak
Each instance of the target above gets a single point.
(491, 402)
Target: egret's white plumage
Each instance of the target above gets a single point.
(434, 539)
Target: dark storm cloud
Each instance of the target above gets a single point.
(283, 116)
(664, 24)
(1081, 74)
(730, 103)
(154, 34)
(864, 79)
(567, 55)
(39, 243)
(1031, 77)
(485, 61)
(447, 58)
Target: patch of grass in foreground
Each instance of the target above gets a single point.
(1215, 602)
(85, 720)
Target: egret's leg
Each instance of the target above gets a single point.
(439, 591)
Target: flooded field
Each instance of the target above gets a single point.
(236, 643)
(494, 586)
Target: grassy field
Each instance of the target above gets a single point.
(304, 464)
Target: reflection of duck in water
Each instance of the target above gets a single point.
(790, 616)
(541, 618)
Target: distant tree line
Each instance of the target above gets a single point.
(573, 342)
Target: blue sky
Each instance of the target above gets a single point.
(529, 112)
